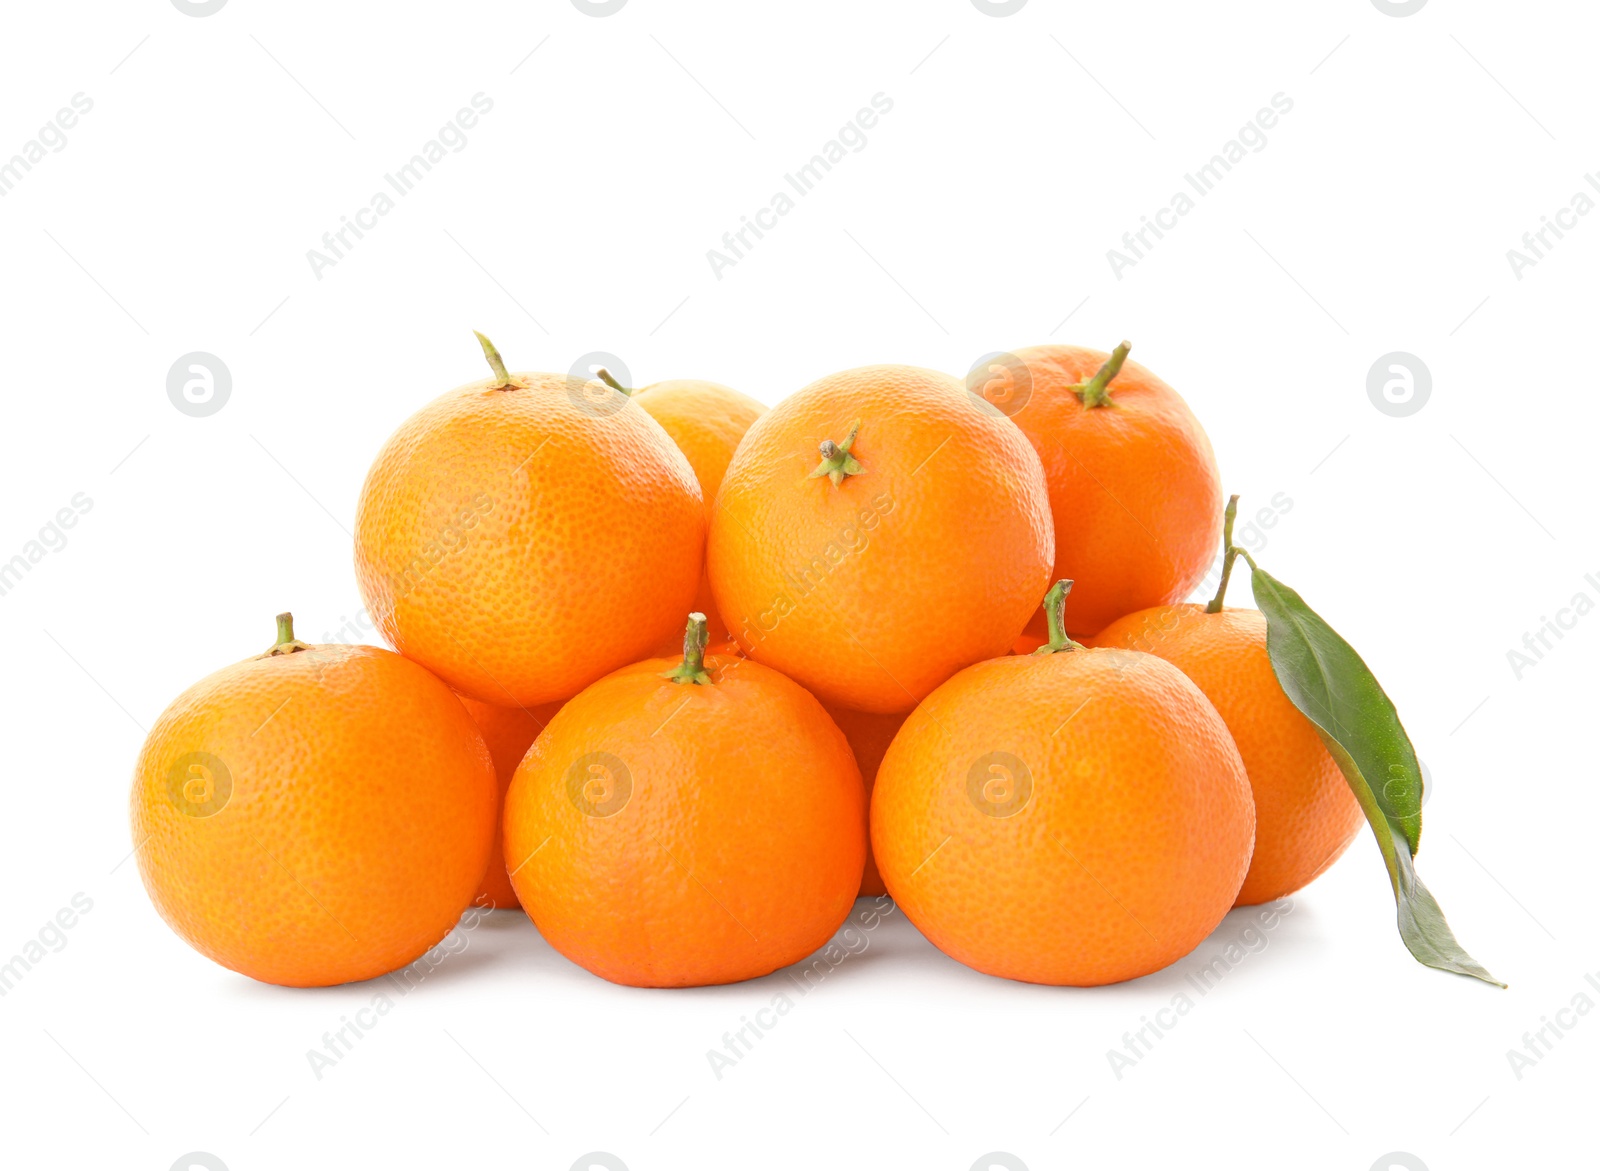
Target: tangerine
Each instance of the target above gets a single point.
(1075, 816)
(869, 735)
(313, 815)
(508, 732)
(1134, 487)
(1306, 814)
(686, 823)
(918, 545)
(501, 522)
(706, 420)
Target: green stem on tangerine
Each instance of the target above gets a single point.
(496, 363)
(837, 462)
(1055, 603)
(605, 376)
(1214, 606)
(287, 643)
(693, 667)
(1096, 392)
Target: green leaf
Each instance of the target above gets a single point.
(1324, 677)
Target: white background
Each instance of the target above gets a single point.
(977, 218)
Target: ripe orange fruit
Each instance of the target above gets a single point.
(706, 420)
(687, 823)
(1077, 816)
(920, 543)
(1305, 812)
(869, 735)
(502, 522)
(313, 815)
(508, 731)
(1134, 487)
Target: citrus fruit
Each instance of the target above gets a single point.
(918, 545)
(1134, 487)
(508, 731)
(313, 815)
(706, 420)
(687, 823)
(1076, 816)
(869, 735)
(1305, 812)
(500, 524)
